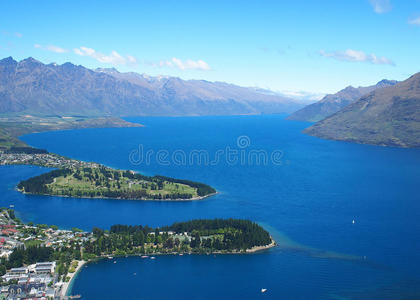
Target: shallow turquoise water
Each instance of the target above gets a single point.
(308, 201)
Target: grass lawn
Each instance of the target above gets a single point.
(94, 180)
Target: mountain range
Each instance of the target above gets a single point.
(387, 116)
(332, 103)
(387, 113)
(31, 87)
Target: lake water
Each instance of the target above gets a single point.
(307, 194)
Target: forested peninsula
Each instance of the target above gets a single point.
(68, 250)
(196, 236)
(48, 243)
(98, 181)
(75, 178)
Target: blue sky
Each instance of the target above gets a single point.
(313, 46)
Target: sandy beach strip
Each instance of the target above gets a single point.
(260, 248)
(68, 284)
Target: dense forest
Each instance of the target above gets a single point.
(201, 236)
(239, 234)
(110, 183)
(26, 150)
(29, 255)
(196, 236)
(38, 184)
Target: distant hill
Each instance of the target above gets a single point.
(388, 116)
(31, 87)
(332, 103)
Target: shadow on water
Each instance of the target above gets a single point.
(285, 243)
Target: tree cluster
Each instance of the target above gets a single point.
(26, 150)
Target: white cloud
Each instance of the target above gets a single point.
(114, 58)
(78, 52)
(357, 56)
(131, 59)
(303, 95)
(18, 34)
(185, 65)
(56, 49)
(51, 48)
(414, 21)
(381, 6)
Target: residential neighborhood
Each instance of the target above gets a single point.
(33, 281)
(42, 159)
(42, 279)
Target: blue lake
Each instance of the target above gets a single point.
(307, 193)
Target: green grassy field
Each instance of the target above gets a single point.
(79, 179)
(96, 181)
(103, 182)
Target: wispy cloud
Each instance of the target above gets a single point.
(381, 6)
(15, 34)
(113, 58)
(51, 48)
(303, 95)
(357, 56)
(414, 21)
(185, 65)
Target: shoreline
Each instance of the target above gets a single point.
(51, 162)
(67, 286)
(129, 199)
(262, 248)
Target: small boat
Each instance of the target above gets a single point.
(110, 257)
(180, 254)
(144, 256)
(11, 206)
(75, 297)
(263, 290)
(353, 222)
(115, 261)
(153, 257)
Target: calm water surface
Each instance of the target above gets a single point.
(308, 202)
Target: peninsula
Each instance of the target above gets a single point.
(13, 126)
(97, 181)
(42, 259)
(75, 178)
(81, 179)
